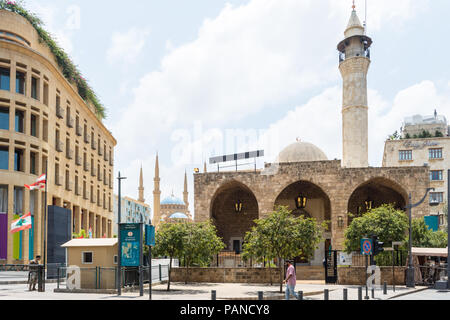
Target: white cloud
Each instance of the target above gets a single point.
(127, 46)
(244, 62)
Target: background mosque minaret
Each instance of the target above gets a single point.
(141, 187)
(354, 65)
(156, 195)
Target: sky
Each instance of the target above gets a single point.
(194, 79)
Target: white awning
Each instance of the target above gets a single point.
(101, 242)
(432, 252)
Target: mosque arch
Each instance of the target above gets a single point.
(317, 206)
(374, 193)
(234, 208)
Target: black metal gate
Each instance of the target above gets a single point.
(330, 265)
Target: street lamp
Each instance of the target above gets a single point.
(119, 244)
(300, 202)
(410, 282)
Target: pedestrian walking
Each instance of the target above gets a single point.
(291, 280)
(33, 273)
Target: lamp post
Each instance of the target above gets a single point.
(119, 244)
(448, 231)
(410, 282)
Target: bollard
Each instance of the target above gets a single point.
(360, 293)
(300, 295)
(345, 294)
(160, 273)
(326, 294)
(260, 295)
(373, 293)
(385, 288)
(213, 295)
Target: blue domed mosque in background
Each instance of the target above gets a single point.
(171, 208)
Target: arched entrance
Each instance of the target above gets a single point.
(309, 200)
(233, 209)
(374, 193)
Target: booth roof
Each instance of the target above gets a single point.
(101, 242)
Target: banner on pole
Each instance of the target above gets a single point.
(130, 237)
(150, 235)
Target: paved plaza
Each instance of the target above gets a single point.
(202, 291)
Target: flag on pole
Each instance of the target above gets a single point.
(23, 223)
(39, 184)
(90, 233)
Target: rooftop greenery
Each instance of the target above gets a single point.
(68, 68)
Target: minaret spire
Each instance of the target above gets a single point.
(185, 193)
(156, 195)
(141, 187)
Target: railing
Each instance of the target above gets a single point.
(59, 112)
(59, 146)
(100, 151)
(382, 259)
(231, 259)
(69, 185)
(353, 54)
(78, 160)
(86, 195)
(69, 153)
(77, 190)
(94, 145)
(79, 131)
(93, 172)
(87, 138)
(70, 121)
(100, 175)
(107, 278)
(59, 180)
(87, 166)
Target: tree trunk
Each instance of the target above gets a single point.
(280, 266)
(170, 271)
(187, 272)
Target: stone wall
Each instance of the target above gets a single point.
(337, 183)
(357, 275)
(226, 275)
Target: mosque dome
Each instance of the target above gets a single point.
(178, 215)
(172, 200)
(301, 152)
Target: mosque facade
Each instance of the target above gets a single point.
(302, 177)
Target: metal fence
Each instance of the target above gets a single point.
(231, 259)
(384, 259)
(107, 278)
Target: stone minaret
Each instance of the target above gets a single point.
(186, 194)
(354, 64)
(156, 195)
(141, 187)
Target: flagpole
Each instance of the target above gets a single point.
(45, 218)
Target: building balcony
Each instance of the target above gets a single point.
(86, 195)
(106, 157)
(87, 166)
(93, 198)
(94, 172)
(100, 176)
(94, 145)
(69, 185)
(87, 138)
(78, 160)
(59, 146)
(100, 151)
(58, 180)
(70, 121)
(59, 112)
(105, 180)
(79, 131)
(110, 184)
(111, 161)
(69, 153)
(77, 190)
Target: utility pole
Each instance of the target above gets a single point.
(119, 243)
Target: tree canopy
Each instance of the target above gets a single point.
(424, 237)
(283, 236)
(386, 222)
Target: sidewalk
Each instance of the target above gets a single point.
(15, 277)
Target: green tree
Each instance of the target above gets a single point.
(283, 236)
(386, 222)
(424, 237)
(169, 243)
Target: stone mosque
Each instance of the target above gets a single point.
(302, 177)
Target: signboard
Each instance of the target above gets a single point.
(130, 237)
(149, 235)
(345, 259)
(366, 247)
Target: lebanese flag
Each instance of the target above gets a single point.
(39, 184)
(23, 223)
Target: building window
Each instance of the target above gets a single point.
(20, 116)
(405, 155)
(46, 94)
(34, 88)
(20, 82)
(18, 160)
(437, 197)
(33, 125)
(435, 153)
(4, 118)
(87, 257)
(4, 158)
(4, 79)
(115, 260)
(33, 163)
(436, 175)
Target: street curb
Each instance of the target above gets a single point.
(278, 297)
(22, 282)
(407, 293)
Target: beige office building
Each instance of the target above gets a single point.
(432, 152)
(44, 120)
